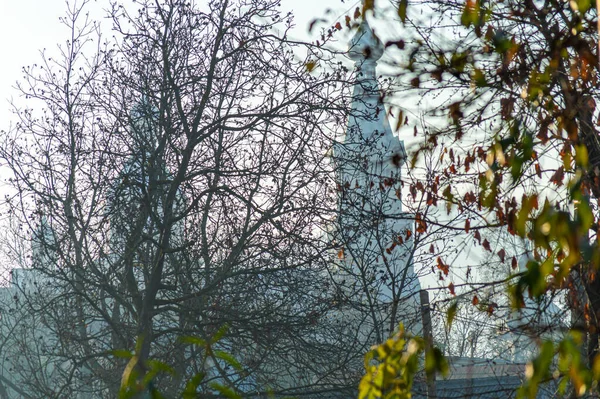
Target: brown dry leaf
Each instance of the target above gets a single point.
(502, 254)
(486, 245)
(558, 176)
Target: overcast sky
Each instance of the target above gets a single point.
(27, 26)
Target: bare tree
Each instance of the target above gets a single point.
(175, 180)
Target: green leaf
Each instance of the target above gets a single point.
(370, 355)
(154, 394)
(479, 78)
(220, 333)
(581, 156)
(537, 372)
(225, 390)
(451, 314)
(402, 6)
(193, 340)
(470, 14)
(122, 353)
(534, 278)
(192, 386)
(585, 216)
(228, 358)
(435, 362)
(459, 61)
(158, 366)
(581, 6)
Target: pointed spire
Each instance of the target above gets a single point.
(365, 46)
(43, 244)
(368, 125)
(369, 157)
(144, 120)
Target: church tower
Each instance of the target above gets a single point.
(136, 200)
(374, 234)
(43, 244)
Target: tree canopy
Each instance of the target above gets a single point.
(507, 142)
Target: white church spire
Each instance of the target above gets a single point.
(365, 48)
(368, 123)
(373, 231)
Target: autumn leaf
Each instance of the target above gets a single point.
(507, 105)
(467, 225)
(475, 300)
(542, 134)
(420, 223)
(315, 21)
(368, 5)
(400, 44)
(431, 200)
(454, 111)
(558, 176)
(451, 288)
(341, 253)
(502, 254)
(533, 200)
(391, 248)
(442, 266)
(486, 245)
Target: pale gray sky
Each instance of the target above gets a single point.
(28, 26)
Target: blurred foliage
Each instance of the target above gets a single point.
(391, 367)
(524, 76)
(133, 385)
